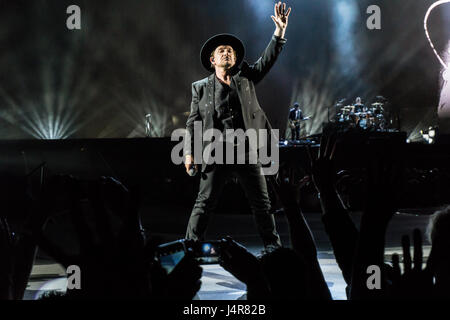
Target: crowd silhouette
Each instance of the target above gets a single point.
(118, 257)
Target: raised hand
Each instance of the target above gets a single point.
(322, 167)
(383, 181)
(238, 261)
(288, 184)
(415, 282)
(107, 227)
(184, 280)
(280, 18)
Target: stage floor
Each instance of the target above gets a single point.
(217, 284)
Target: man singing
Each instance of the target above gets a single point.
(227, 100)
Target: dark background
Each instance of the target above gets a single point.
(136, 57)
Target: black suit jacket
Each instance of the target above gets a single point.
(292, 115)
(202, 105)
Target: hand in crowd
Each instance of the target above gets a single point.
(242, 264)
(111, 251)
(383, 183)
(415, 282)
(338, 224)
(290, 276)
(323, 167)
(288, 184)
(304, 253)
(237, 260)
(184, 280)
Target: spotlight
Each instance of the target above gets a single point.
(432, 133)
(429, 135)
(148, 125)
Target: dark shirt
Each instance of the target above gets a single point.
(228, 113)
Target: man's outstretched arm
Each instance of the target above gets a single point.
(259, 69)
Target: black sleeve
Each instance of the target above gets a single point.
(261, 67)
(193, 116)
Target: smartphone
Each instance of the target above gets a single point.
(170, 254)
(205, 252)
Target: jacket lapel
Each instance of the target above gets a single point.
(210, 94)
(237, 83)
(244, 109)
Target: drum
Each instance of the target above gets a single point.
(365, 120)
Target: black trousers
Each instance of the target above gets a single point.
(295, 133)
(254, 184)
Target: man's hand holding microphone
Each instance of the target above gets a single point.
(191, 168)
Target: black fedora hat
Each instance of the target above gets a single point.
(218, 40)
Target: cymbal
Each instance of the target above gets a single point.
(377, 104)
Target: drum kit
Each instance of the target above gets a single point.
(360, 116)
